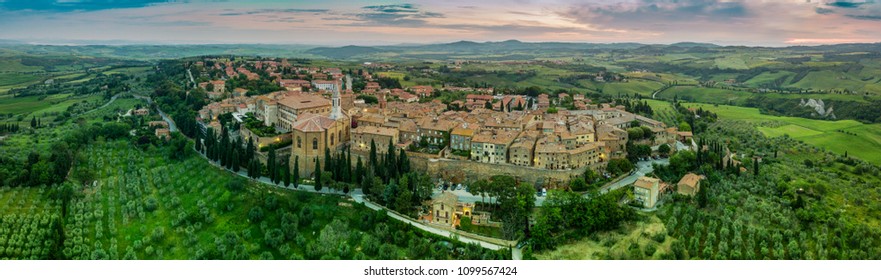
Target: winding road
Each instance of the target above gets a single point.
(358, 196)
(171, 126)
(642, 168)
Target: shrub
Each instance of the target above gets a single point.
(255, 215)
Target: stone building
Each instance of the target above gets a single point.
(312, 133)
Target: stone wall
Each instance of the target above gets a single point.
(468, 171)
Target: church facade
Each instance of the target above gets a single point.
(312, 133)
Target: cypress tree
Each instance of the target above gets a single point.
(296, 172)
(338, 166)
(756, 166)
(286, 172)
(249, 153)
(359, 171)
(372, 160)
(328, 161)
(34, 122)
(198, 143)
(235, 166)
(404, 162)
(348, 168)
(367, 182)
(270, 165)
(317, 175)
(391, 164)
(700, 144)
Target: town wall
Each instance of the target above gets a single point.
(463, 171)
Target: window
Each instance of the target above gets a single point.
(299, 142)
(331, 139)
(315, 143)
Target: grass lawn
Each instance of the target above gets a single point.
(862, 141)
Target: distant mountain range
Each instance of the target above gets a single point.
(465, 50)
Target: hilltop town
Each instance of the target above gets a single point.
(318, 108)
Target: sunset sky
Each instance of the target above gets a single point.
(335, 22)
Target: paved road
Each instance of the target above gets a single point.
(642, 168)
(434, 230)
(467, 197)
(358, 196)
(190, 74)
(102, 106)
(171, 126)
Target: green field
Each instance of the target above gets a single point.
(767, 78)
(663, 111)
(794, 131)
(34, 104)
(704, 95)
(638, 86)
(14, 80)
(129, 70)
(860, 140)
(828, 79)
(393, 75)
(731, 62)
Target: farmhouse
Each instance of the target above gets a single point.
(690, 184)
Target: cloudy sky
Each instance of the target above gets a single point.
(364, 22)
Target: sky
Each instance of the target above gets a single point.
(337, 22)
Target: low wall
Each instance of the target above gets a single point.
(459, 171)
(262, 141)
(497, 241)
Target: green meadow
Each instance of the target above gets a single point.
(41, 104)
(704, 95)
(859, 140)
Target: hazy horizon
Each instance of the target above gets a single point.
(372, 23)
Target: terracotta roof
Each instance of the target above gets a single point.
(447, 198)
(303, 101)
(376, 130)
(313, 123)
(439, 125)
(646, 182)
(479, 97)
(544, 146)
(498, 137)
(690, 180)
(459, 130)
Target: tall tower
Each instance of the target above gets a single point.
(349, 83)
(335, 111)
